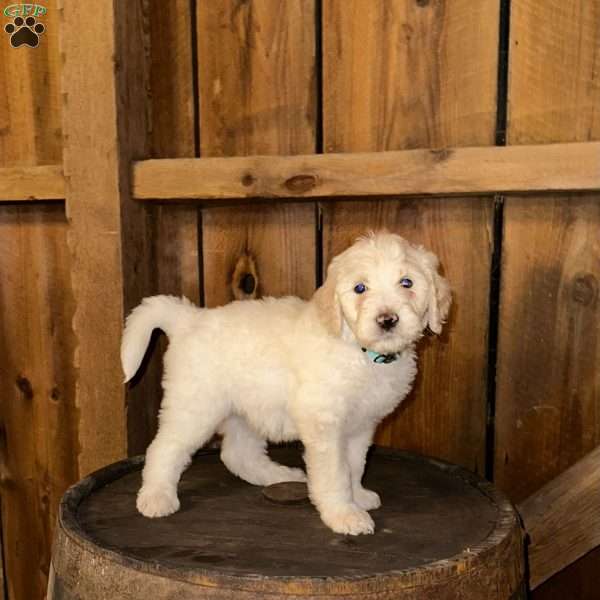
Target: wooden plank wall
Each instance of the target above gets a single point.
(402, 75)
(236, 78)
(173, 118)
(173, 231)
(548, 394)
(257, 82)
(108, 233)
(38, 442)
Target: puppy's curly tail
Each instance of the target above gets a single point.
(156, 312)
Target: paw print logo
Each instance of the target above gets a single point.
(24, 32)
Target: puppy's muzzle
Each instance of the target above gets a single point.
(387, 321)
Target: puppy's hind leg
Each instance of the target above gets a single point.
(244, 453)
(181, 433)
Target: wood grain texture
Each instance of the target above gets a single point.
(403, 75)
(549, 310)
(173, 136)
(554, 71)
(257, 96)
(32, 183)
(447, 171)
(38, 428)
(562, 519)
(547, 394)
(38, 431)
(172, 125)
(30, 104)
(280, 240)
(442, 533)
(456, 171)
(548, 390)
(173, 231)
(108, 235)
(415, 75)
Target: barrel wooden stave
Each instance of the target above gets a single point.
(86, 568)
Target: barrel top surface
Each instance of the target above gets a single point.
(430, 512)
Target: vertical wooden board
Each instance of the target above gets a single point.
(257, 96)
(38, 435)
(30, 109)
(401, 75)
(548, 389)
(173, 229)
(550, 270)
(172, 127)
(108, 233)
(172, 135)
(554, 85)
(547, 379)
(38, 419)
(280, 239)
(409, 74)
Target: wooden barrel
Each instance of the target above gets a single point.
(442, 533)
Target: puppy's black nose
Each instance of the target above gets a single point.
(387, 321)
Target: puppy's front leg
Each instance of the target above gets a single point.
(330, 483)
(358, 445)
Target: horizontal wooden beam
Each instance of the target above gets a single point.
(19, 184)
(445, 172)
(562, 519)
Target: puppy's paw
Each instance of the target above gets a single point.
(367, 499)
(348, 519)
(157, 502)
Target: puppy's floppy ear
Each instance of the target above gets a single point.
(440, 296)
(328, 304)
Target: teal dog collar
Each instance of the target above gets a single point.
(381, 359)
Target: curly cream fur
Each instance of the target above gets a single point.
(285, 369)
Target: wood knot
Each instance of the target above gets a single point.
(585, 289)
(299, 184)
(440, 154)
(244, 281)
(24, 386)
(248, 179)
(422, 3)
(248, 283)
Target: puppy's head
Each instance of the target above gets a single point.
(386, 290)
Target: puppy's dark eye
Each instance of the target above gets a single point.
(360, 288)
(406, 282)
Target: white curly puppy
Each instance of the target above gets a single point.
(325, 371)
